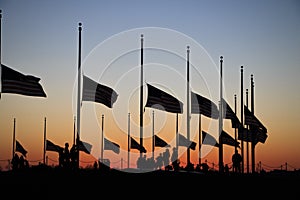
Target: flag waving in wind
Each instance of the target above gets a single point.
(109, 145)
(135, 145)
(158, 142)
(20, 148)
(50, 146)
(209, 139)
(183, 141)
(229, 114)
(204, 106)
(161, 100)
(251, 119)
(84, 146)
(18, 83)
(93, 91)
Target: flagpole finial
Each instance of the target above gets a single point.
(0, 13)
(80, 26)
(221, 57)
(188, 49)
(242, 68)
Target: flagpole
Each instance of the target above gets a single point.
(153, 138)
(188, 103)
(79, 89)
(44, 153)
(247, 143)
(141, 98)
(176, 136)
(74, 131)
(242, 118)
(200, 140)
(102, 138)
(221, 118)
(252, 136)
(14, 138)
(235, 131)
(128, 142)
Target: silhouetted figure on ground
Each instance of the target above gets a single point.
(236, 162)
(174, 159)
(66, 153)
(61, 158)
(95, 165)
(226, 169)
(189, 167)
(204, 167)
(159, 161)
(166, 158)
(21, 162)
(74, 157)
(15, 162)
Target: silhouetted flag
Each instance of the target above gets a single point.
(161, 100)
(209, 139)
(18, 83)
(183, 141)
(84, 146)
(158, 142)
(251, 119)
(93, 91)
(227, 139)
(203, 106)
(20, 148)
(229, 114)
(50, 146)
(109, 145)
(258, 135)
(135, 145)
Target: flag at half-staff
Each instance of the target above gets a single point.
(84, 146)
(229, 114)
(208, 139)
(204, 106)
(183, 141)
(15, 82)
(96, 92)
(20, 148)
(161, 100)
(50, 146)
(158, 142)
(257, 131)
(109, 145)
(135, 145)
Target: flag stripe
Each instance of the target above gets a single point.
(209, 139)
(135, 145)
(166, 101)
(18, 83)
(183, 141)
(109, 145)
(204, 106)
(95, 92)
(158, 142)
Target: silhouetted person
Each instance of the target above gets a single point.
(74, 156)
(204, 167)
(61, 158)
(226, 169)
(21, 162)
(66, 162)
(159, 161)
(15, 162)
(166, 158)
(236, 161)
(95, 165)
(174, 159)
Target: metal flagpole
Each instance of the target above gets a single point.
(188, 104)
(141, 99)
(221, 118)
(102, 138)
(242, 118)
(252, 136)
(79, 90)
(153, 138)
(200, 138)
(176, 136)
(44, 153)
(235, 129)
(247, 142)
(128, 142)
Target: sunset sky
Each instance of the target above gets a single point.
(40, 38)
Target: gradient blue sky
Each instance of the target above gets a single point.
(41, 38)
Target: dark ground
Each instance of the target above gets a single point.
(51, 183)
